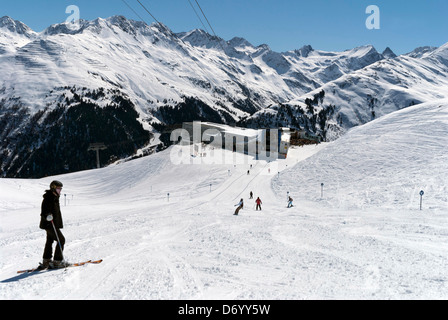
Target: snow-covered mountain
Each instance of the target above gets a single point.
(15, 28)
(151, 64)
(56, 86)
(365, 94)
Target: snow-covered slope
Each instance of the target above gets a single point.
(384, 163)
(13, 35)
(365, 239)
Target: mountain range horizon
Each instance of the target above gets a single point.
(387, 50)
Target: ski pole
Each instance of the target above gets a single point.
(59, 242)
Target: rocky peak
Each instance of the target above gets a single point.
(388, 53)
(14, 26)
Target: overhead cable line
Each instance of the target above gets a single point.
(219, 42)
(135, 12)
(171, 34)
(205, 17)
(197, 15)
(148, 12)
(175, 38)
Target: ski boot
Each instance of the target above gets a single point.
(57, 264)
(46, 263)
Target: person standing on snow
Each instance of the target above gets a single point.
(240, 206)
(51, 222)
(258, 202)
(251, 195)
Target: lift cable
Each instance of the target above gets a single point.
(135, 12)
(148, 12)
(197, 15)
(219, 42)
(172, 35)
(175, 38)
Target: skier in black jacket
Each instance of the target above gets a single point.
(51, 222)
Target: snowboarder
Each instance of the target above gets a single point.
(290, 202)
(240, 206)
(251, 195)
(51, 222)
(258, 202)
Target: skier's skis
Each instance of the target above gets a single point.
(39, 268)
(77, 264)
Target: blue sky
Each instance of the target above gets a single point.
(332, 25)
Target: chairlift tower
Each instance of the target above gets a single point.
(97, 147)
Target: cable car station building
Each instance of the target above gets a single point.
(264, 143)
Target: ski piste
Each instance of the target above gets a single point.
(77, 264)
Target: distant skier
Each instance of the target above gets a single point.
(258, 202)
(251, 195)
(248, 172)
(290, 203)
(240, 206)
(51, 222)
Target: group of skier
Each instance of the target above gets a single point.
(258, 202)
(240, 204)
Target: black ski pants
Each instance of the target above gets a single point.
(51, 237)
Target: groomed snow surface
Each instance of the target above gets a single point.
(365, 238)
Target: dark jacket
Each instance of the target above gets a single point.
(50, 205)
